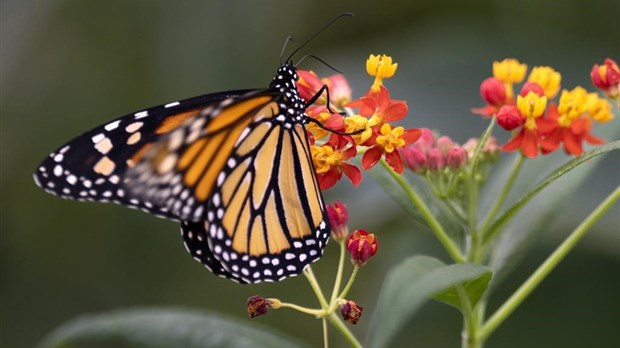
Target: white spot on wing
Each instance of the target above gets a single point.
(141, 114)
(112, 125)
(169, 105)
(97, 138)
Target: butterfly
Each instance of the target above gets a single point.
(234, 167)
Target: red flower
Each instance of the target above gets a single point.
(572, 136)
(493, 92)
(607, 77)
(527, 140)
(361, 246)
(387, 142)
(338, 220)
(509, 117)
(338, 86)
(379, 104)
(351, 312)
(330, 162)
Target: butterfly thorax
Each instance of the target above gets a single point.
(292, 106)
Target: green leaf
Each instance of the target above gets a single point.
(167, 327)
(535, 215)
(410, 284)
(474, 289)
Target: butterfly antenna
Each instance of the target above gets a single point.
(288, 39)
(319, 59)
(345, 14)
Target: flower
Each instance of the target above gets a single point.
(338, 88)
(414, 158)
(351, 311)
(509, 71)
(531, 107)
(547, 78)
(257, 306)
(493, 91)
(598, 109)
(436, 161)
(330, 163)
(456, 158)
(378, 104)
(338, 219)
(607, 78)
(509, 117)
(381, 67)
(361, 246)
(387, 142)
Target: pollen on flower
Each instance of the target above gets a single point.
(547, 78)
(381, 67)
(358, 123)
(390, 138)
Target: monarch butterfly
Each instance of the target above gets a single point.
(234, 167)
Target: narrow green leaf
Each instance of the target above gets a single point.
(167, 327)
(409, 285)
(518, 234)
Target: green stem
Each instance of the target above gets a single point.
(445, 241)
(316, 312)
(339, 325)
(339, 272)
(472, 193)
(325, 334)
(546, 267)
(315, 287)
(347, 287)
(471, 320)
(516, 167)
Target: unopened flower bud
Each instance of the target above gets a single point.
(351, 312)
(414, 159)
(456, 158)
(509, 117)
(531, 87)
(257, 306)
(426, 140)
(435, 160)
(361, 246)
(607, 77)
(445, 144)
(338, 220)
(493, 91)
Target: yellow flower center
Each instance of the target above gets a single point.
(381, 67)
(599, 109)
(572, 105)
(317, 131)
(531, 107)
(324, 157)
(390, 139)
(547, 78)
(356, 123)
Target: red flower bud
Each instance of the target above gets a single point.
(338, 219)
(456, 157)
(607, 77)
(445, 144)
(435, 160)
(361, 246)
(532, 87)
(493, 91)
(426, 140)
(509, 117)
(257, 306)
(351, 312)
(414, 159)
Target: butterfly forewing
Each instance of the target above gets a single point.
(93, 165)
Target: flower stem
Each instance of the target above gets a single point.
(339, 325)
(516, 167)
(315, 287)
(325, 334)
(472, 193)
(546, 267)
(315, 312)
(347, 287)
(443, 237)
(339, 272)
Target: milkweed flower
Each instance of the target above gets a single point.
(531, 107)
(338, 220)
(387, 142)
(381, 67)
(547, 78)
(351, 312)
(361, 246)
(257, 306)
(607, 78)
(337, 86)
(330, 163)
(509, 71)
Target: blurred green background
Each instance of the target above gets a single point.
(69, 65)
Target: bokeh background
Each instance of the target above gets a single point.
(69, 65)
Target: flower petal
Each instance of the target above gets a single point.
(371, 157)
(353, 173)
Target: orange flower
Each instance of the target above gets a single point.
(330, 162)
(387, 142)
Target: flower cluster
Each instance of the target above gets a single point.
(339, 130)
(539, 124)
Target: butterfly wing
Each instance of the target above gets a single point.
(93, 165)
(265, 219)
